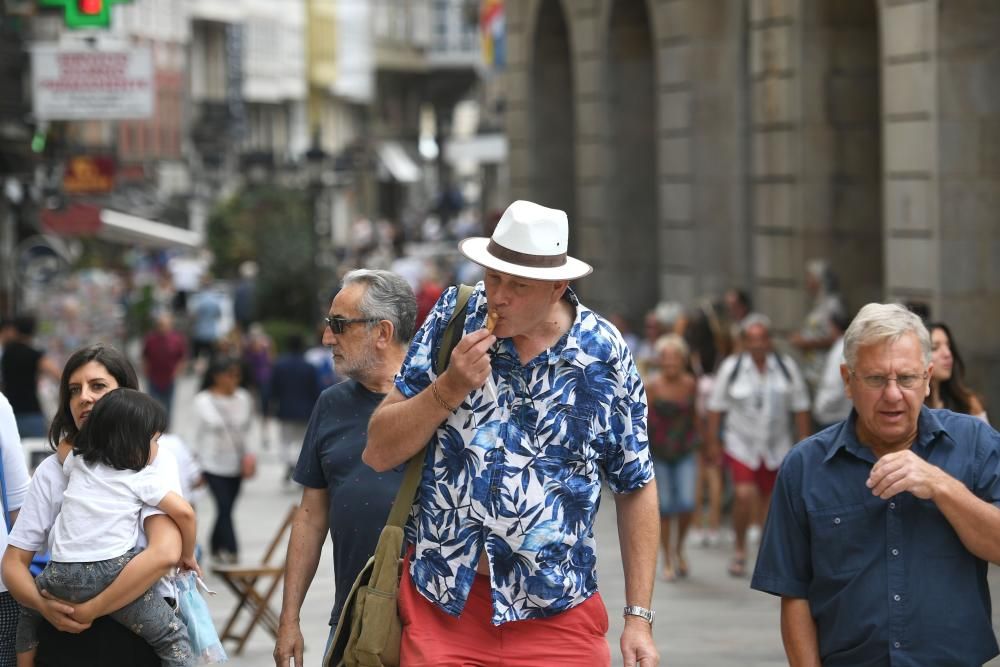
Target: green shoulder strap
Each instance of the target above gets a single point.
(454, 330)
(411, 478)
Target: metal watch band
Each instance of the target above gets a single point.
(643, 613)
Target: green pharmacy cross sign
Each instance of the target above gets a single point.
(85, 13)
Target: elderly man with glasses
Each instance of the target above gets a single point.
(882, 526)
(368, 330)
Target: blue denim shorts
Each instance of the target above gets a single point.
(675, 483)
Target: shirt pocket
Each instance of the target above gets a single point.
(573, 431)
(841, 538)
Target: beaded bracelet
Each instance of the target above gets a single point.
(440, 399)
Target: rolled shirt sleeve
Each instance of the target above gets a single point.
(784, 562)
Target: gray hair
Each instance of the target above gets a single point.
(754, 320)
(821, 270)
(387, 297)
(878, 322)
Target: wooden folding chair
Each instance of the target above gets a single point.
(243, 579)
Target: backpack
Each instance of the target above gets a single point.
(739, 361)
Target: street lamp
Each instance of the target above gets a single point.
(319, 223)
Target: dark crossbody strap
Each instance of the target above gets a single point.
(411, 478)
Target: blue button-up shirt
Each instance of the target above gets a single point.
(888, 581)
(516, 470)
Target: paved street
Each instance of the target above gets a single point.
(706, 620)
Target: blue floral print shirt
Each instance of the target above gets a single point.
(520, 476)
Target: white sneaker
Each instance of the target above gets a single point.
(753, 534)
(712, 538)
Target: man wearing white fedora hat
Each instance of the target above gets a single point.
(540, 400)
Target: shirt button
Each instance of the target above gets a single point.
(892, 506)
(837, 520)
(896, 597)
(895, 552)
(895, 644)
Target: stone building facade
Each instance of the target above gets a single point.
(698, 144)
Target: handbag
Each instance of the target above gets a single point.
(205, 642)
(369, 632)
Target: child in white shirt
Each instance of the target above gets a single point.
(95, 533)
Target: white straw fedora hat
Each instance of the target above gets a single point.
(530, 241)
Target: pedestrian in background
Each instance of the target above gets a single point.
(760, 392)
(674, 438)
(370, 323)
(882, 527)
(816, 335)
(708, 342)
(21, 367)
(80, 635)
(528, 419)
(15, 475)
(223, 413)
(163, 353)
(293, 393)
(948, 388)
(831, 404)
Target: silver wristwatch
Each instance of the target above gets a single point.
(643, 613)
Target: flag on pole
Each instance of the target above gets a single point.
(493, 28)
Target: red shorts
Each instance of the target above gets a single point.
(760, 477)
(432, 638)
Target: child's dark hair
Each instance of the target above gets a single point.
(119, 428)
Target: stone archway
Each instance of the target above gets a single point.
(552, 120)
(842, 144)
(631, 174)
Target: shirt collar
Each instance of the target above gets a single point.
(928, 429)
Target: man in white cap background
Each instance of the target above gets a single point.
(540, 400)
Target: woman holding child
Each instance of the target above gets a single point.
(68, 637)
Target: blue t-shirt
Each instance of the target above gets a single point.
(360, 498)
(888, 581)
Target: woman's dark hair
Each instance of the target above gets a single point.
(118, 366)
(954, 395)
(702, 335)
(218, 366)
(118, 431)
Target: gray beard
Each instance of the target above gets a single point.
(359, 367)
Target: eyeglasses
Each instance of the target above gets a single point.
(882, 381)
(337, 323)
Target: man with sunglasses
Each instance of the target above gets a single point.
(881, 527)
(540, 402)
(368, 329)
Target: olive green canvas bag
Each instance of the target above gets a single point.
(369, 632)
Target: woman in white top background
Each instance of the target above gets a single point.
(15, 487)
(223, 413)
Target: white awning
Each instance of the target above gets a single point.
(125, 228)
(398, 162)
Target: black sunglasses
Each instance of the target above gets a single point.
(337, 323)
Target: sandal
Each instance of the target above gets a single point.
(737, 567)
